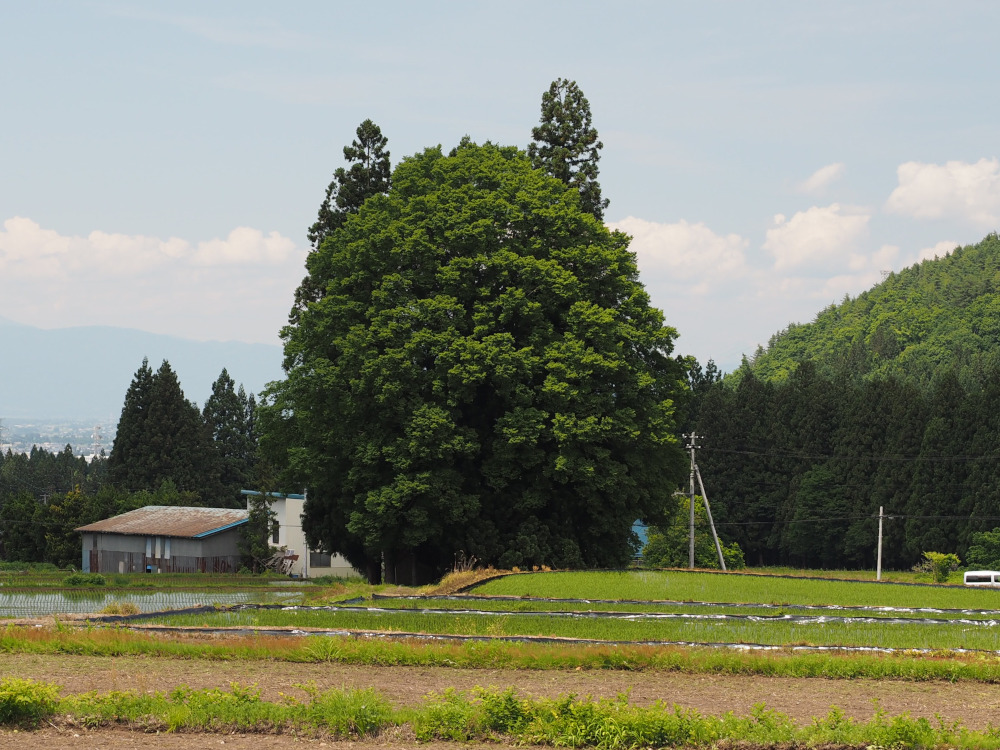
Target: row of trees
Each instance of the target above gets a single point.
(166, 452)
(162, 437)
(797, 470)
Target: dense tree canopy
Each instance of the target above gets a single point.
(482, 373)
(797, 469)
(566, 146)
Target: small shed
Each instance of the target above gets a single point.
(165, 539)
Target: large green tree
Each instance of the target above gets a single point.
(566, 146)
(483, 373)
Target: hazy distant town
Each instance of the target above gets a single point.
(85, 438)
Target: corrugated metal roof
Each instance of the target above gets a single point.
(165, 520)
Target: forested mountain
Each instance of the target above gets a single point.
(937, 315)
(888, 400)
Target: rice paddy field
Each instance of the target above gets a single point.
(658, 608)
(720, 626)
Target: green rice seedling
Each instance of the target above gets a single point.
(26, 702)
(966, 634)
(693, 608)
(734, 587)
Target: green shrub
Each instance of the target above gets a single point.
(669, 546)
(939, 565)
(984, 552)
(446, 716)
(25, 701)
(84, 579)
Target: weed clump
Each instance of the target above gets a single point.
(121, 608)
(85, 579)
(26, 702)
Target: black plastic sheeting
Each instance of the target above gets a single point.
(637, 616)
(678, 603)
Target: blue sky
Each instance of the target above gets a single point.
(161, 161)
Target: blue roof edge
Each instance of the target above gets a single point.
(216, 531)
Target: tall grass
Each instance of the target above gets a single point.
(496, 654)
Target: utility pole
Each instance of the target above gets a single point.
(711, 523)
(691, 446)
(878, 569)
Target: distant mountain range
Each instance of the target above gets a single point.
(83, 373)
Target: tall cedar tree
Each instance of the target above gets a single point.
(368, 175)
(485, 373)
(162, 437)
(566, 144)
(229, 415)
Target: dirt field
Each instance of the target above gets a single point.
(971, 703)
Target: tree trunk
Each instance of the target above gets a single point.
(390, 566)
(373, 568)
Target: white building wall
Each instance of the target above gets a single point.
(288, 515)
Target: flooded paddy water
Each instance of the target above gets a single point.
(46, 603)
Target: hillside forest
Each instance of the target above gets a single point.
(891, 400)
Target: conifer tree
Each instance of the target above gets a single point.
(162, 437)
(228, 414)
(566, 145)
(130, 450)
(368, 175)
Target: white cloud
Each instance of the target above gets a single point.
(821, 237)
(940, 250)
(821, 178)
(955, 190)
(239, 287)
(684, 251)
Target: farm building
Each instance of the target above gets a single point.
(164, 539)
(289, 535)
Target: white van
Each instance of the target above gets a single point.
(982, 578)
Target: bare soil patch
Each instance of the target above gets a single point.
(971, 703)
